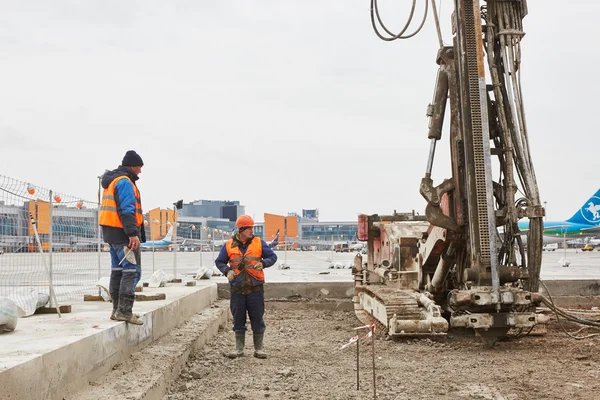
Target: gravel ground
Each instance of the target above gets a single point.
(305, 362)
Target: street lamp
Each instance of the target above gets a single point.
(178, 205)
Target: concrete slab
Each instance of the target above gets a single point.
(48, 357)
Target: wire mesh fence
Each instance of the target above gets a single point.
(50, 244)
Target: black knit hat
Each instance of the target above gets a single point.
(132, 159)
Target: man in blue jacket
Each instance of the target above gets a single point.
(242, 261)
(122, 224)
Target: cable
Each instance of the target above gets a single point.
(437, 23)
(375, 12)
(396, 36)
(558, 311)
(16, 194)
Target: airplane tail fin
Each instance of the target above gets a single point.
(589, 213)
(169, 237)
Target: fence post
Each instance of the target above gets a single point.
(50, 272)
(175, 246)
(99, 234)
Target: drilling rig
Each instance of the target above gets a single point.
(465, 263)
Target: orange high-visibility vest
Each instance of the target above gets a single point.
(252, 256)
(108, 209)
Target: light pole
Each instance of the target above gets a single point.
(285, 245)
(202, 245)
(146, 223)
(212, 244)
(31, 190)
(332, 247)
(178, 205)
(154, 222)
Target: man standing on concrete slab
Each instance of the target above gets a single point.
(247, 255)
(122, 224)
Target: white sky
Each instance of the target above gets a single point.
(282, 105)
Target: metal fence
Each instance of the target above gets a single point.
(49, 242)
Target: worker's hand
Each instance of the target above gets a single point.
(259, 266)
(230, 275)
(134, 242)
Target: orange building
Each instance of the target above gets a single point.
(160, 219)
(287, 226)
(40, 210)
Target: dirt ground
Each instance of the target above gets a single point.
(305, 362)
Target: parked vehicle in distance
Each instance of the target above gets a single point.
(342, 248)
(550, 247)
(588, 247)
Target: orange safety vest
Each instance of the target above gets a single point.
(252, 256)
(108, 209)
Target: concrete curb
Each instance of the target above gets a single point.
(81, 347)
(306, 290)
(148, 373)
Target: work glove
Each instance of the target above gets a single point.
(230, 275)
(259, 266)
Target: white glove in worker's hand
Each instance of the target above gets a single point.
(259, 266)
(230, 275)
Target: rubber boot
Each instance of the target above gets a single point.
(240, 342)
(126, 299)
(258, 345)
(113, 290)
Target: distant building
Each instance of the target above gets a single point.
(331, 231)
(224, 209)
(306, 231)
(312, 215)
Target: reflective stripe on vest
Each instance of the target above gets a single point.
(108, 209)
(252, 256)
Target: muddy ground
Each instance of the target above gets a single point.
(305, 362)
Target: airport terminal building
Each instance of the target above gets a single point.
(74, 228)
(299, 230)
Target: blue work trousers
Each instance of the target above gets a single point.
(254, 305)
(124, 277)
(126, 260)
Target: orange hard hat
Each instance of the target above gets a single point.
(244, 221)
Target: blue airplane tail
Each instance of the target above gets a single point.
(169, 237)
(589, 213)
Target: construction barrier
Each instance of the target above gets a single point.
(47, 240)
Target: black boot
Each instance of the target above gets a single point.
(113, 290)
(240, 342)
(258, 345)
(126, 299)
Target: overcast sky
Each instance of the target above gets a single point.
(282, 105)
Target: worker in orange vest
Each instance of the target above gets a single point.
(242, 261)
(122, 224)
